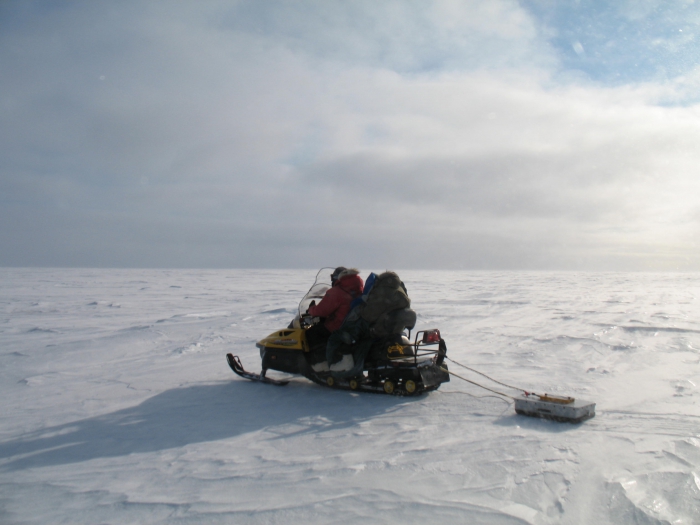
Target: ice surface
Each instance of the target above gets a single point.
(118, 405)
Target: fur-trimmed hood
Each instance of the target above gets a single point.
(348, 271)
(350, 281)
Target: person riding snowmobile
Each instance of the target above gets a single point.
(382, 313)
(335, 305)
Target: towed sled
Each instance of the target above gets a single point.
(385, 358)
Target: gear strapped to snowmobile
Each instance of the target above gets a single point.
(376, 333)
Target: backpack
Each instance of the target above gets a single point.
(388, 293)
(387, 306)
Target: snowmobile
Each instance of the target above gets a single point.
(389, 362)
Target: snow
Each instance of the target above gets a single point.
(118, 405)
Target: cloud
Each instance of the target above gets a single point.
(298, 134)
(404, 36)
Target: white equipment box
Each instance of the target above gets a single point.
(565, 409)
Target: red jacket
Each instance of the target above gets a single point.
(335, 305)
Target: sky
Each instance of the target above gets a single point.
(474, 134)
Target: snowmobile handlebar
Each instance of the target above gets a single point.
(307, 320)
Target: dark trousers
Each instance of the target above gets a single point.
(317, 338)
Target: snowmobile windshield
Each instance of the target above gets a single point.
(321, 285)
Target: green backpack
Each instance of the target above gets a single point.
(388, 294)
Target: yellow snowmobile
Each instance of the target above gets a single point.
(387, 362)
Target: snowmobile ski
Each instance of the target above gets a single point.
(235, 363)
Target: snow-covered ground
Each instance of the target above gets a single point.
(118, 406)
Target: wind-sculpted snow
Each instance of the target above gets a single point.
(118, 406)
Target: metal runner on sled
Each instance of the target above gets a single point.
(390, 364)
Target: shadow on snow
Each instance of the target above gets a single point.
(196, 414)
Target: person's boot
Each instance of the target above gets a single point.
(320, 367)
(345, 364)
